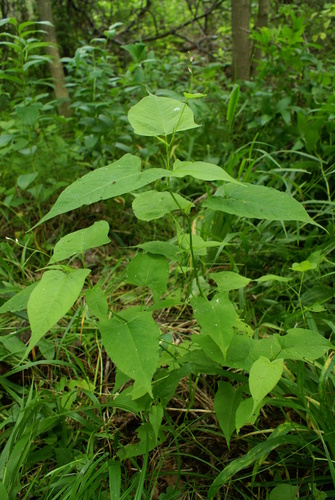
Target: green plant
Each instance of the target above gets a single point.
(149, 362)
(31, 139)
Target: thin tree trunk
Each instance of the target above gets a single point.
(30, 9)
(261, 21)
(240, 18)
(56, 68)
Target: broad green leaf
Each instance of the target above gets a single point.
(272, 277)
(38, 60)
(28, 114)
(257, 202)
(19, 301)
(303, 266)
(23, 181)
(5, 21)
(199, 244)
(97, 302)
(154, 116)
(136, 50)
(226, 402)
(120, 177)
(216, 319)
(284, 492)
(263, 377)
(244, 351)
(233, 101)
(14, 79)
(201, 170)
(246, 414)
(6, 139)
(132, 342)
(161, 248)
(302, 344)
(152, 205)
(82, 240)
(197, 95)
(149, 270)
(54, 295)
(267, 347)
(228, 280)
(238, 352)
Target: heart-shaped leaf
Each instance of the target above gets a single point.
(51, 299)
(263, 377)
(155, 115)
(132, 343)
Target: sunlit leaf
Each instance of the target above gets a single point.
(82, 240)
(258, 202)
(228, 280)
(122, 176)
(197, 95)
(152, 205)
(263, 377)
(154, 116)
(303, 266)
(201, 170)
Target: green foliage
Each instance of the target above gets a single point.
(239, 253)
(154, 116)
(138, 331)
(80, 241)
(51, 299)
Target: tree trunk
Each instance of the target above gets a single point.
(261, 21)
(30, 9)
(240, 19)
(56, 68)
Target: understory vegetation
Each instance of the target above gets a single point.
(167, 271)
